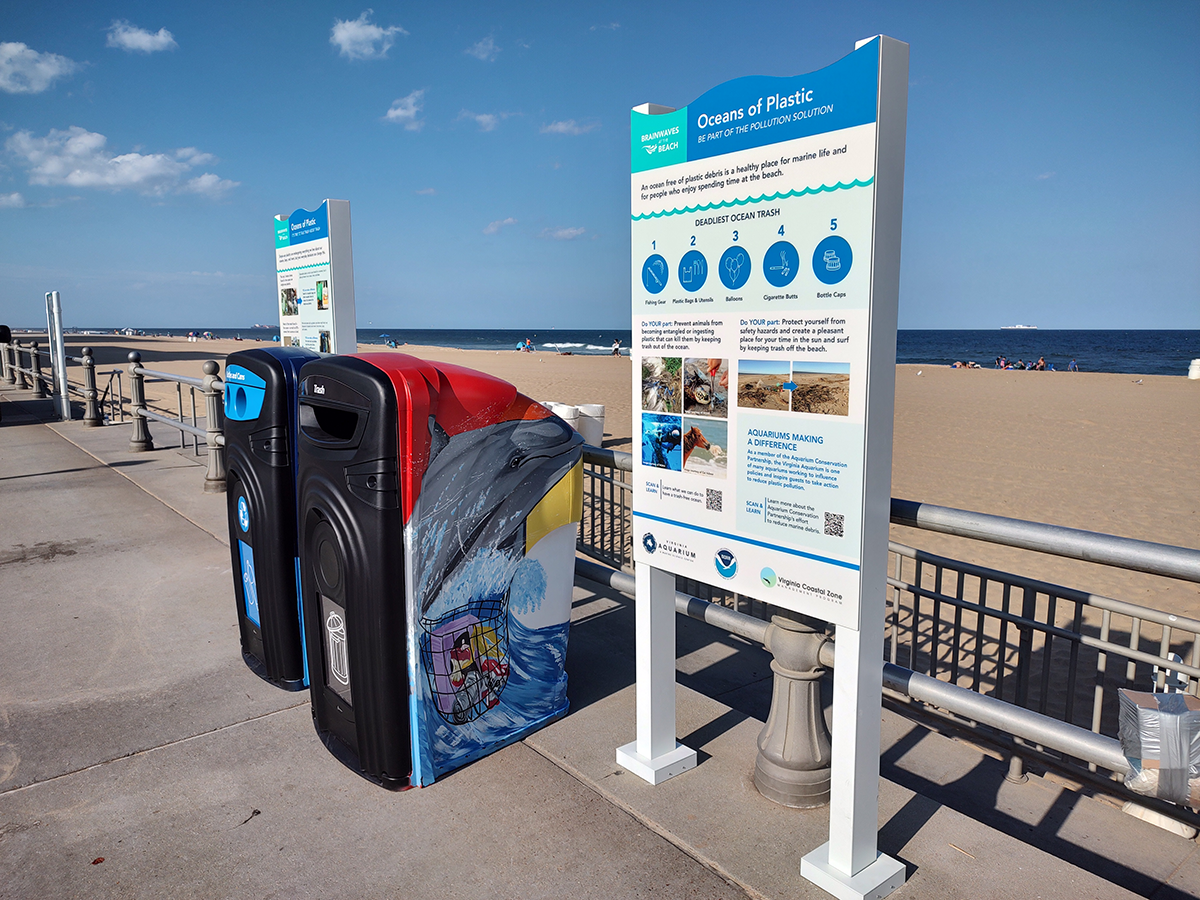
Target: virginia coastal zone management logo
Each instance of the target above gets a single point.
(649, 542)
(768, 576)
(726, 563)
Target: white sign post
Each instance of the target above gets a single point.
(314, 271)
(766, 224)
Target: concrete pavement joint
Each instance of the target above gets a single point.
(673, 839)
(148, 750)
(222, 539)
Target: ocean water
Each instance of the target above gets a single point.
(578, 341)
(1132, 351)
(1135, 352)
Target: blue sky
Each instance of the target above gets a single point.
(1051, 169)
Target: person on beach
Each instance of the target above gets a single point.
(1072, 367)
(616, 347)
(1040, 365)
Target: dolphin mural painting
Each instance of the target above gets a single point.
(468, 562)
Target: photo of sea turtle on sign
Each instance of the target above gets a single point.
(706, 387)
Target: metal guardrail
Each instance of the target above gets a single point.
(213, 432)
(1021, 663)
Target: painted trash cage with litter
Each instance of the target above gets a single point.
(438, 514)
(1160, 736)
(261, 421)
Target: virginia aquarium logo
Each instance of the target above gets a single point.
(726, 563)
(649, 542)
(768, 576)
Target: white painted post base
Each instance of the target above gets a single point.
(655, 756)
(657, 770)
(877, 880)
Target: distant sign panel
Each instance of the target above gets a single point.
(314, 270)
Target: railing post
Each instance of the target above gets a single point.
(35, 365)
(6, 376)
(793, 763)
(214, 478)
(22, 378)
(140, 439)
(91, 411)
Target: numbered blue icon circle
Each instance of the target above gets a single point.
(734, 267)
(243, 514)
(781, 263)
(655, 273)
(832, 259)
(693, 270)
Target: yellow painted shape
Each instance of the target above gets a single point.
(484, 642)
(562, 505)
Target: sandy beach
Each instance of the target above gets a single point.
(1101, 452)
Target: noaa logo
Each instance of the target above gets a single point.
(243, 514)
(769, 579)
(726, 563)
(649, 542)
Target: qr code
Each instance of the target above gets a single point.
(834, 524)
(712, 500)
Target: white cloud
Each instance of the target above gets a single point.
(611, 26)
(130, 38)
(1046, 175)
(562, 234)
(194, 157)
(405, 110)
(12, 201)
(79, 158)
(209, 185)
(569, 126)
(425, 192)
(485, 121)
(485, 49)
(362, 39)
(494, 227)
(25, 71)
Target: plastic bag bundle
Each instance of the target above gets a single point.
(1160, 736)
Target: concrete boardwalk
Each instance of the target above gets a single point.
(131, 730)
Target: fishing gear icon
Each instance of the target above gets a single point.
(662, 270)
(784, 268)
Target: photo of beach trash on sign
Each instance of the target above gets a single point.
(705, 443)
(761, 383)
(662, 441)
(820, 387)
(662, 388)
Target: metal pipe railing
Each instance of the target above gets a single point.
(212, 432)
(1072, 543)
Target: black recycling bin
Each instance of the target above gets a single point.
(438, 515)
(260, 458)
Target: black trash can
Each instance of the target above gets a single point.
(438, 514)
(260, 458)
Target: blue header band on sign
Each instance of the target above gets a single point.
(758, 110)
(302, 226)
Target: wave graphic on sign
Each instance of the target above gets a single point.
(825, 188)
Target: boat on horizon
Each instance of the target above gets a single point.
(1018, 328)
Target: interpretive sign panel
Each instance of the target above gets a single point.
(314, 268)
(760, 331)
